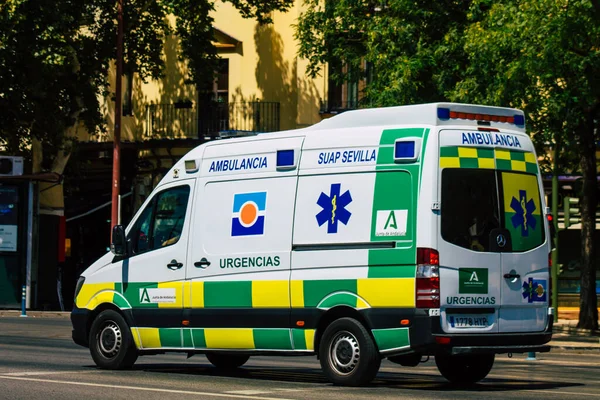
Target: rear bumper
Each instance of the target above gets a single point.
(457, 350)
(428, 338)
(79, 319)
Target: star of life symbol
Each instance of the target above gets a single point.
(334, 208)
(524, 213)
(534, 290)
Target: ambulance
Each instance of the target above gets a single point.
(405, 233)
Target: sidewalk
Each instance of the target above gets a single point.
(566, 335)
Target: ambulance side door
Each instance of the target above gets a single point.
(240, 251)
(154, 273)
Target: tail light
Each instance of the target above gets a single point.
(428, 279)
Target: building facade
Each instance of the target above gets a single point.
(261, 86)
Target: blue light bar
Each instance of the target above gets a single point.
(443, 113)
(404, 150)
(520, 120)
(285, 159)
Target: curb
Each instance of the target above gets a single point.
(36, 314)
(574, 348)
(572, 330)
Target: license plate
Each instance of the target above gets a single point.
(468, 321)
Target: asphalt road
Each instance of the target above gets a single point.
(38, 360)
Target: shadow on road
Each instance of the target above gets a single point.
(384, 379)
(402, 381)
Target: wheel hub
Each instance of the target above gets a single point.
(344, 353)
(110, 339)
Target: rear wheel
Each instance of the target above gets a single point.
(348, 354)
(111, 343)
(227, 361)
(464, 369)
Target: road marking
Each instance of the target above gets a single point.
(247, 392)
(562, 393)
(251, 392)
(33, 373)
(145, 389)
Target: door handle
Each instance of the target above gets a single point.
(203, 263)
(174, 265)
(512, 276)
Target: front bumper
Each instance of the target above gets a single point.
(80, 318)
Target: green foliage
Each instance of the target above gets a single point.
(542, 56)
(402, 41)
(55, 57)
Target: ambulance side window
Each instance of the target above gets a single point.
(161, 222)
(169, 216)
(139, 233)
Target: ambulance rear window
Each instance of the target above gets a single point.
(476, 201)
(469, 207)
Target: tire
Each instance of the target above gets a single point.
(227, 361)
(111, 343)
(466, 369)
(348, 354)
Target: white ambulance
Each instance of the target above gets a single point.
(400, 233)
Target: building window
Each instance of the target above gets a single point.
(348, 94)
(128, 94)
(221, 85)
(213, 104)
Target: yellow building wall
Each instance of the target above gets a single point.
(268, 68)
(264, 67)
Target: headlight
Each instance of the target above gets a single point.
(79, 286)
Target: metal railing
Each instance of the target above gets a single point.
(186, 120)
(335, 107)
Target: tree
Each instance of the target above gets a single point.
(398, 39)
(55, 57)
(542, 56)
(538, 55)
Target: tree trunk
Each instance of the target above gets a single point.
(588, 311)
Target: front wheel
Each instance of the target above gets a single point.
(111, 343)
(348, 354)
(464, 369)
(227, 361)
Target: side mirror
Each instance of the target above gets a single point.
(119, 243)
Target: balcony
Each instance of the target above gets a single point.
(212, 121)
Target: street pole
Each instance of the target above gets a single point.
(29, 255)
(555, 222)
(116, 186)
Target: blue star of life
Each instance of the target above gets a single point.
(524, 213)
(334, 208)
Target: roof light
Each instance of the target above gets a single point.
(443, 113)
(406, 150)
(191, 166)
(446, 113)
(286, 159)
(519, 120)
